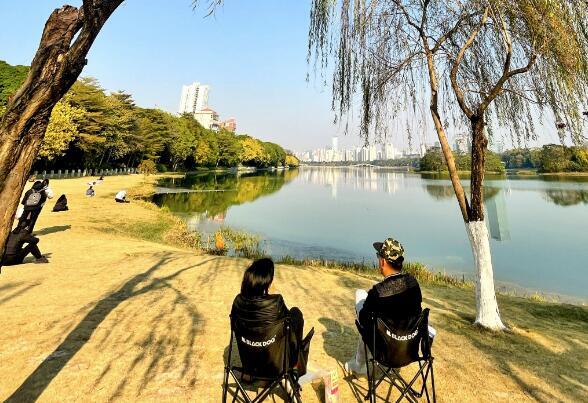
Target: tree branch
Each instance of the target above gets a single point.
(455, 68)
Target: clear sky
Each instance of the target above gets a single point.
(251, 53)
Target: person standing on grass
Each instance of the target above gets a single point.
(396, 298)
(33, 202)
(16, 251)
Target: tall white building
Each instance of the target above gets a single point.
(194, 98)
(335, 143)
(389, 152)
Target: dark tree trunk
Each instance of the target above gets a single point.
(54, 69)
(479, 145)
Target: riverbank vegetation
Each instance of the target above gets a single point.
(434, 161)
(551, 158)
(90, 128)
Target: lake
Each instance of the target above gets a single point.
(538, 224)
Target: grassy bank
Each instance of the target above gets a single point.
(117, 317)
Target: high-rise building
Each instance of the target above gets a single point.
(335, 143)
(372, 153)
(389, 152)
(230, 124)
(207, 118)
(462, 144)
(194, 98)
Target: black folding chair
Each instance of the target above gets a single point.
(265, 356)
(394, 346)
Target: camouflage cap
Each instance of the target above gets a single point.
(390, 249)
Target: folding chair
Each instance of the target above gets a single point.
(393, 346)
(265, 356)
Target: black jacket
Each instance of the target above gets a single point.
(15, 242)
(259, 311)
(396, 298)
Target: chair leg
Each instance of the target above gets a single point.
(226, 385)
(433, 382)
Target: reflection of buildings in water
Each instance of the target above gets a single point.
(360, 178)
(497, 217)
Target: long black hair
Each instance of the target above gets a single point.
(257, 278)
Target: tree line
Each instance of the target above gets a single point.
(90, 128)
(550, 158)
(434, 161)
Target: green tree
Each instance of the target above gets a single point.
(554, 158)
(61, 131)
(229, 149)
(432, 160)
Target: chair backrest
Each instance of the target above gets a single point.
(399, 343)
(262, 349)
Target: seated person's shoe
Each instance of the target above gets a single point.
(42, 259)
(352, 367)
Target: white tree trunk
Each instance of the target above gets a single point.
(487, 314)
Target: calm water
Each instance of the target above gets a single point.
(538, 225)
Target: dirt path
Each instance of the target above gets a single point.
(116, 318)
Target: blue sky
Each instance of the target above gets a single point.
(251, 53)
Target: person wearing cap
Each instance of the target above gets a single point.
(397, 297)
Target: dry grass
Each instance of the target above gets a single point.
(117, 318)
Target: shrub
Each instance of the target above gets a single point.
(147, 167)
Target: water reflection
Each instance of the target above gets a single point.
(496, 216)
(567, 197)
(356, 178)
(212, 194)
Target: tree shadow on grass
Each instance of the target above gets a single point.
(543, 350)
(52, 230)
(43, 375)
(16, 289)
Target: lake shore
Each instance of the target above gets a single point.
(121, 312)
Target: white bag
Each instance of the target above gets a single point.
(19, 212)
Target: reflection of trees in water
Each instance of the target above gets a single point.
(441, 192)
(567, 197)
(228, 190)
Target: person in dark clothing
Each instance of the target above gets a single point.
(257, 307)
(397, 298)
(16, 251)
(61, 204)
(33, 201)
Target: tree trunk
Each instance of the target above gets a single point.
(487, 314)
(479, 146)
(54, 69)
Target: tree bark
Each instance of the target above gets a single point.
(54, 69)
(479, 146)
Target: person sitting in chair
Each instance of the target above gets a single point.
(396, 298)
(256, 305)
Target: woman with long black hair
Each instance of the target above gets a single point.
(256, 305)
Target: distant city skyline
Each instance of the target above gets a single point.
(256, 65)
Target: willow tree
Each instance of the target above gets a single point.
(492, 66)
